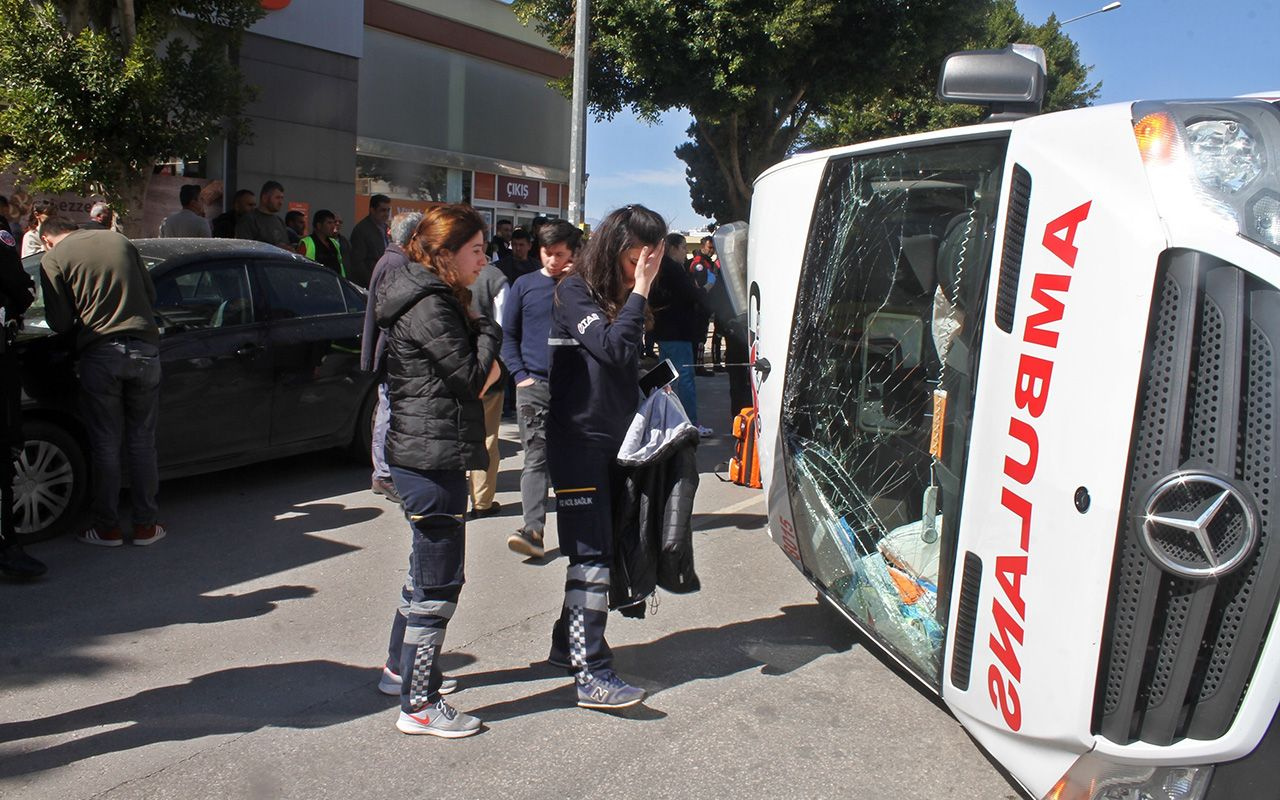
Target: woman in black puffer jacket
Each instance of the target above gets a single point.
(440, 360)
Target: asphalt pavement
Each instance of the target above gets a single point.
(239, 657)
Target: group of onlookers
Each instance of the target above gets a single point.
(452, 321)
(257, 217)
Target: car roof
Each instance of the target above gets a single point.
(175, 252)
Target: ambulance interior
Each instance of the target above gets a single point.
(879, 389)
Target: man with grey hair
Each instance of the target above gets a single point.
(372, 346)
(101, 218)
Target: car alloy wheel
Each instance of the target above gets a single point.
(49, 480)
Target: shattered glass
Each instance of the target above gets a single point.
(879, 391)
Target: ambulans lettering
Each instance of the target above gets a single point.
(586, 323)
(1049, 294)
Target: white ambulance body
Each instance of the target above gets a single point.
(1019, 421)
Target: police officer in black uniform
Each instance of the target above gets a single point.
(17, 291)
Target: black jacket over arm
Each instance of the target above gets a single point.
(437, 361)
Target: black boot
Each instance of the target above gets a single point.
(17, 565)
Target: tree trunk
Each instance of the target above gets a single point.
(77, 14)
(128, 22)
(133, 193)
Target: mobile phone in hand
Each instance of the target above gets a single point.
(661, 375)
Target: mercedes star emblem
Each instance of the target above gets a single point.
(1198, 526)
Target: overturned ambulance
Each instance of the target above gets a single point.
(1019, 421)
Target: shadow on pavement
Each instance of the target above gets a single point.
(236, 700)
(224, 529)
(742, 522)
(778, 644)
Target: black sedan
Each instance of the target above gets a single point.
(260, 350)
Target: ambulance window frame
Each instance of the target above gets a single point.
(810, 271)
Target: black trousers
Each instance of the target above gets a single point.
(586, 479)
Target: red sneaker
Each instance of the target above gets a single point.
(144, 535)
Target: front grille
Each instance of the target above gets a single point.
(1180, 651)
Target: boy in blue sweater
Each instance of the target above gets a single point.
(526, 321)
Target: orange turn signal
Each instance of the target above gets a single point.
(1157, 136)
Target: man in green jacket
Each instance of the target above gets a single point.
(96, 286)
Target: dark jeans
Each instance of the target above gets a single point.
(120, 400)
(435, 502)
(532, 404)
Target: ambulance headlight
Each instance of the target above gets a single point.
(1223, 154)
(1093, 777)
(1216, 163)
(1265, 218)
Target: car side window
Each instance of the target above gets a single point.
(300, 290)
(356, 298)
(214, 296)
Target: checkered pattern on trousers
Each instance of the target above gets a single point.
(422, 660)
(578, 644)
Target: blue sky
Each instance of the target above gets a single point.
(1147, 49)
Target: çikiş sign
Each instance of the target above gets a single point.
(518, 190)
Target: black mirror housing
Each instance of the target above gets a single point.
(1010, 82)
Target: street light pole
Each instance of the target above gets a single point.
(578, 126)
(1103, 10)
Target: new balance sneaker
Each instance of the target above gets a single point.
(607, 690)
(102, 537)
(389, 684)
(441, 720)
(144, 535)
(527, 543)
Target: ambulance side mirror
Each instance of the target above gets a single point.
(1010, 82)
(731, 247)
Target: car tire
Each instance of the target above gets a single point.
(50, 482)
(361, 447)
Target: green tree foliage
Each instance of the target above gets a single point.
(913, 106)
(753, 73)
(94, 92)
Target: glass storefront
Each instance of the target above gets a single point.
(417, 185)
(879, 390)
(406, 180)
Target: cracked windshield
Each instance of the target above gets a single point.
(879, 393)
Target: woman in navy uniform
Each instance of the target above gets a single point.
(597, 325)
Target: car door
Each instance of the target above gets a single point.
(316, 319)
(215, 398)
